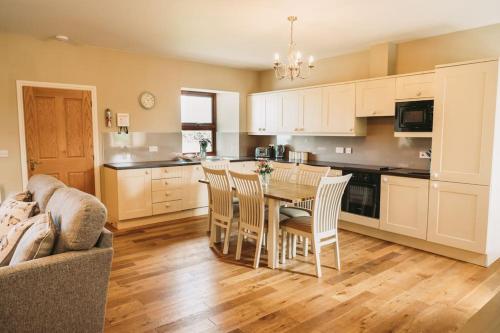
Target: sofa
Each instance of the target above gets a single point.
(66, 291)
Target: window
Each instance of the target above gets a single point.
(198, 117)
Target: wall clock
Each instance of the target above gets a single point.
(147, 100)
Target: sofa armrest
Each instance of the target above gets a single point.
(60, 293)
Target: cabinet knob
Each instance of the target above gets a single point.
(167, 194)
(436, 175)
(167, 205)
(165, 182)
(419, 93)
(374, 112)
(146, 172)
(435, 185)
(385, 180)
(351, 129)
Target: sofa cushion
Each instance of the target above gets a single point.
(10, 239)
(13, 212)
(294, 211)
(42, 187)
(37, 241)
(80, 218)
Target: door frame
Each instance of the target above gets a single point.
(22, 132)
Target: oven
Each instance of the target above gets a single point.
(362, 194)
(414, 116)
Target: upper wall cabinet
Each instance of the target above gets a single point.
(339, 109)
(419, 86)
(312, 103)
(292, 112)
(375, 98)
(464, 120)
(256, 113)
(273, 112)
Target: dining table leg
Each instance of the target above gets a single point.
(272, 232)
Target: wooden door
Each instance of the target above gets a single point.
(134, 193)
(291, 111)
(464, 120)
(458, 215)
(340, 109)
(256, 113)
(312, 110)
(404, 205)
(375, 98)
(58, 125)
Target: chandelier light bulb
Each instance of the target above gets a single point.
(276, 57)
(311, 60)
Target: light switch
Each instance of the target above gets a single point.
(339, 150)
(348, 150)
(153, 149)
(4, 153)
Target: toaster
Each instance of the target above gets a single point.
(262, 152)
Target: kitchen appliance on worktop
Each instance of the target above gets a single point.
(263, 152)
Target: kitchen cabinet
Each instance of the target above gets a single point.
(339, 109)
(243, 167)
(134, 193)
(404, 206)
(273, 112)
(458, 215)
(418, 86)
(464, 122)
(311, 111)
(292, 113)
(256, 109)
(196, 193)
(375, 98)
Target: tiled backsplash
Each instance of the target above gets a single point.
(379, 147)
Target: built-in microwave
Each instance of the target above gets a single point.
(414, 116)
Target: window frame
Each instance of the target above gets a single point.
(203, 126)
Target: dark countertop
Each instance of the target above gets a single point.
(389, 171)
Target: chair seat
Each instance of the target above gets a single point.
(236, 200)
(302, 223)
(294, 212)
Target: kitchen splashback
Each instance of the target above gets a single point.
(379, 147)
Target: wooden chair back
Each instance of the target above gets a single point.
(282, 171)
(221, 192)
(251, 198)
(217, 164)
(327, 204)
(311, 175)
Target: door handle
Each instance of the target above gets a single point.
(33, 164)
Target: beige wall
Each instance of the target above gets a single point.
(412, 56)
(119, 77)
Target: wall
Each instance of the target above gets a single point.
(119, 77)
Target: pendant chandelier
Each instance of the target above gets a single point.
(295, 69)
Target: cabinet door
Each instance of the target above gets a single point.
(458, 215)
(195, 193)
(134, 193)
(312, 106)
(243, 167)
(256, 113)
(415, 86)
(404, 206)
(375, 98)
(292, 105)
(340, 108)
(464, 110)
(273, 114)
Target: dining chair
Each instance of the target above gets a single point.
(282, 172)
(218, 165)
(321, 226)
(222, 211)
(306, 175)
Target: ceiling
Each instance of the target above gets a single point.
(242, 33)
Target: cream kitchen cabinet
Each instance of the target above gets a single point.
(292, 112)
(256, 109)
(464, 122)
(133, 191)
(418, 86)
(273, 113)
(196, 193)
(243, 167)
(339, 111)
(404, 206)
(375, 98)
(311, 112)
(458, 215)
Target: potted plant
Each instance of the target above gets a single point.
(203, 147)
(264, 169)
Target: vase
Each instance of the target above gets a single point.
(264, 178)
(203, 152)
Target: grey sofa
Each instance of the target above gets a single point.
(64, 292)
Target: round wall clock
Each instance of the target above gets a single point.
(147, 100)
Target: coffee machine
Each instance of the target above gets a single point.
(280, 152)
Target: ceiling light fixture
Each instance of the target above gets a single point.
(295, 67)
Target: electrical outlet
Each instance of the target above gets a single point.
(348, 150)
(153, 149)
(424, 154)
(339, 150)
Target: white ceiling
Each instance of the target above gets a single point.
(243, 33)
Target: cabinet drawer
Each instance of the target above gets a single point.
(168, 172)
(415, 86)
(167, 207)
(167, 195)
(166, 184)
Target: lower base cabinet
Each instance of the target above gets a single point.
(458, 215)
(404, 206)
(133, 193)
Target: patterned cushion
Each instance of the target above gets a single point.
(12, 212)
(10, 239)
(37, 241)
(25, 196)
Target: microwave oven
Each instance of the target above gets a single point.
(414, 116)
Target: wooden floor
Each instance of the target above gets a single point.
(166, 279)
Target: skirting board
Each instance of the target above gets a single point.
(447, 251)
(150, 220)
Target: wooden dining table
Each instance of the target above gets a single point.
(276, 193)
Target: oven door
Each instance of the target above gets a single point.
(361, 199)
(413, 117)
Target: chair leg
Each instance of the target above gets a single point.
(294, 246)
(257, 251)
(209, 220)
(289, 247)
(283, 247)
(317, 250)
(212, 232)
(305, 246)
(337, 254)
(227, 235)
(239, 244)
